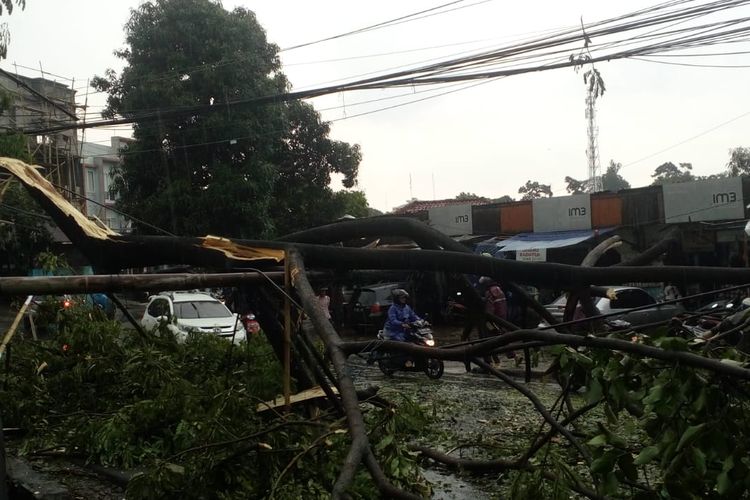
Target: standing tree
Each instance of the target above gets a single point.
(574, 186)
(533, 190)
(669, 173)
(236, 170)
(4, 33)
(739, 162)
(24, 229)
(464, 196)
(612, 180)
(354, 203)
(307, 158)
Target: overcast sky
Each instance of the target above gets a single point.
(487, 140)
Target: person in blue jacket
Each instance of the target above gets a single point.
(399, 316)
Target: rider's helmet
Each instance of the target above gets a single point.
(484, 280)
(400, 292)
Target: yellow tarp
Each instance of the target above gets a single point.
(241, 252)
(29, 176)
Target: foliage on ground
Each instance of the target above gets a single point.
(185, 414)
(667, 430)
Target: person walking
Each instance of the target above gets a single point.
(324, 302)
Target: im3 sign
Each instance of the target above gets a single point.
(562, 213)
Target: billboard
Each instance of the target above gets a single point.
(453, 220)
(714, 199)
(562, 213)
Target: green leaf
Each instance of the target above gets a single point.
(384, 442)
(611, 415)
(612, 438)
(700, 401)
(610, 484)
(699, 460)
(723, 483)
(597, 441)
(594, 392)
(654, 395)
(689, 435)
(673, 343)
(563, 359)
(646, 455)
(606, 462)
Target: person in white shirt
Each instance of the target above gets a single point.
(324, 301)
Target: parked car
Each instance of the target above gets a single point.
(368, 306)
(723, 306)
(192, 312)
(626, 298)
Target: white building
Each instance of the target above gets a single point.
(99, 166)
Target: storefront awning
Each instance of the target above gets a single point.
(552, 239)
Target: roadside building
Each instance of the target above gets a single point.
(35, 104)
(100, 163)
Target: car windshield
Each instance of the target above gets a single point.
(201, 309)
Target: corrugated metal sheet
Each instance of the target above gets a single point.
(606, 210)
(486, 219)
(642, 206)
(516, 217)
(549, 239)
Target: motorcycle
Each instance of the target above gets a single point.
(420, 333)
(250, 323)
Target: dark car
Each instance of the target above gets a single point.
(368, 307)
(625, 298)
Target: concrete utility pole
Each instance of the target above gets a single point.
(592, 152)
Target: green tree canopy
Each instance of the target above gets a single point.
(669, 173)
(739, 162)
(240, 170)
(532, 190)
(612, 180)
(354, 203)
(464, 196)
(574, 186)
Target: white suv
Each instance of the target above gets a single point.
(192, 312)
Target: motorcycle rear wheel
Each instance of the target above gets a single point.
(384, 363)
(434, 368)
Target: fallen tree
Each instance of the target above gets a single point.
(657, 381)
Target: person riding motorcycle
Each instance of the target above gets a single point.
(400, 316)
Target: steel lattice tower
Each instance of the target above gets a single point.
(592, 152)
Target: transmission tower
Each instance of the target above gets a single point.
(592, 152)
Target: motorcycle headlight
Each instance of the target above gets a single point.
(429, 342)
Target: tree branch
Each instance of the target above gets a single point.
(360, 444)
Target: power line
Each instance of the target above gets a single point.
(124, 214)
(688, 139)
(371, 27)
(455, 70)
(672, 63)
(22, 212)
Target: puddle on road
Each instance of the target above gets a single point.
(448, 486)
(465, 408)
